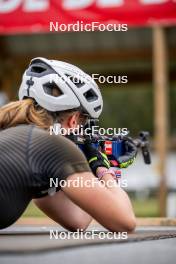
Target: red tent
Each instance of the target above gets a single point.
(17, 16)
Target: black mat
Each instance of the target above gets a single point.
(34, 240)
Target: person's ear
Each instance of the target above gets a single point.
(73, 120)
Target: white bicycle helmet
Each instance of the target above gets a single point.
(76, 88)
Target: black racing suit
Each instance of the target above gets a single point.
(29, 157)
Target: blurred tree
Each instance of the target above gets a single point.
(130, 107)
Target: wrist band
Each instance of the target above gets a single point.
(104, 171)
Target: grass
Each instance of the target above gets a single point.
(33, 211)
(142, 208)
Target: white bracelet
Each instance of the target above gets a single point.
(104, 171)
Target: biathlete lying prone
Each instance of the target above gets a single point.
(30, 156)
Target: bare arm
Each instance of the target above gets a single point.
(63, 211)
(110, 207)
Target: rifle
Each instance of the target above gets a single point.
(114, 147)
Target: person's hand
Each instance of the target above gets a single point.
(95, 158)
(129, 156)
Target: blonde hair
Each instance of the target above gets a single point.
(24, 112)
(27, 111)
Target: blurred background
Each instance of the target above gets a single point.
(146, 54)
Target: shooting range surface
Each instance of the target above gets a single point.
(29, 243)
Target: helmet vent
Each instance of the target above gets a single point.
(78, 83)
(97, 108)
(37, 69)
(90, 95)
(52, 89)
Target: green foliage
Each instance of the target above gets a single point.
(146, 208)
(130, 107)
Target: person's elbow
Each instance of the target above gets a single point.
(130, 224)
(127, 224)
